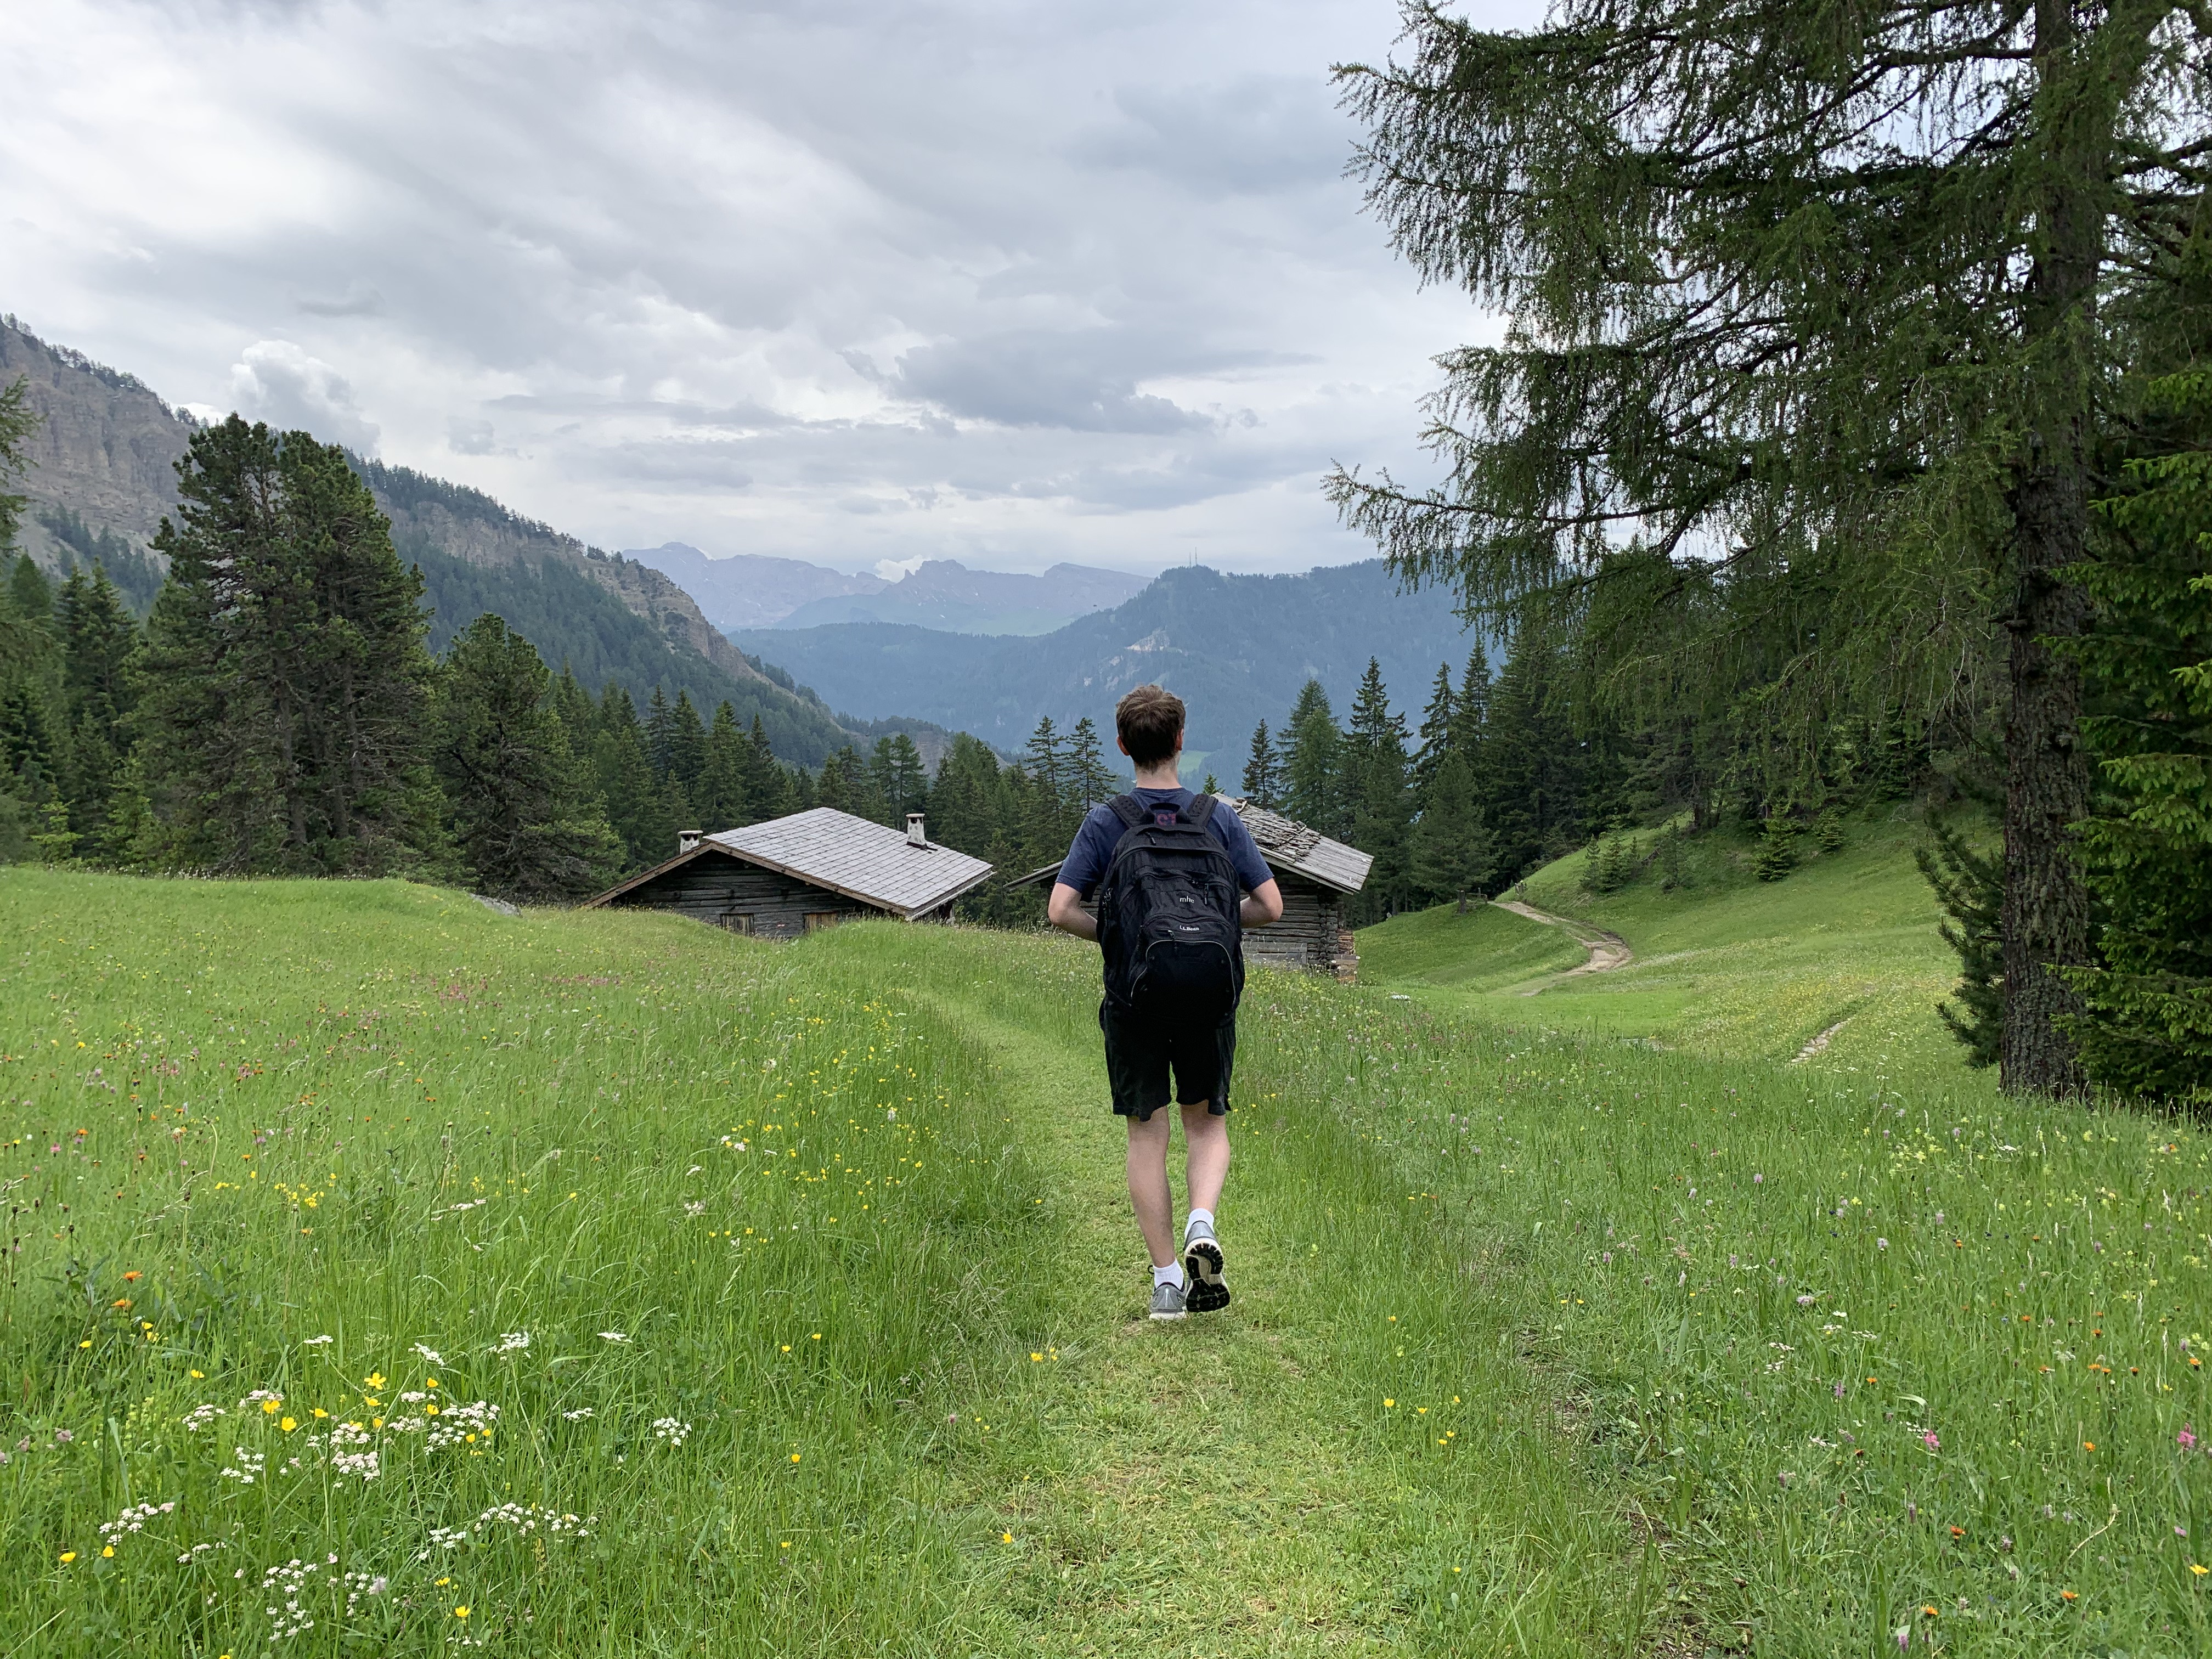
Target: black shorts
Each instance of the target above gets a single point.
(1139, 1052)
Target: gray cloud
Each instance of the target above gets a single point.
(855, 281)
(1081, 381)
(275, 381)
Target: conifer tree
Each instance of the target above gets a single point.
(624, 773)
(1825, 292)
(1440, 725)
(1312, 787)
(1091, 781)
(660, 736)
(96, 637)
(687, 744)
(523, 823)
(770, 791)
(1382, 805)
(32, 593)
(965, 804)
(1452, 853)
(721, 801)
(1263, 768)
(285, 682)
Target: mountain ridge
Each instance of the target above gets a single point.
(1235, 647)
(101, 467)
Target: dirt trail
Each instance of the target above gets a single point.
(1607, 950)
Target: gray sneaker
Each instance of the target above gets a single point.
(1201, 1267)
(1167, 1302)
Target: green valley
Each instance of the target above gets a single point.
(598, 1281)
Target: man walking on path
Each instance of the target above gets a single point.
(1168, 869)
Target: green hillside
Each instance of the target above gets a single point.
(1723, 964)
(697, 1295)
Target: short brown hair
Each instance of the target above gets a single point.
(1148, 720)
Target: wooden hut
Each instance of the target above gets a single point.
(814, 869)
(1315, 875)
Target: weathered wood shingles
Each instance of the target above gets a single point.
(779, 878)
(1286, 844)
(866, 862)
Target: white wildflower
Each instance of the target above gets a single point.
(430, 1354)
(614, 1336)
(512, 1342)
(674, 1431)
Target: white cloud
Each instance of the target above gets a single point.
(876, 280)
(275, 381)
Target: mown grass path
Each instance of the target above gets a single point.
(1236, 1484)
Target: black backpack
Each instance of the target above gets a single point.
(1167, 919)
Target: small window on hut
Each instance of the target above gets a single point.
(818, 920)
(738, 921)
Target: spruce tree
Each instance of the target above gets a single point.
(1826, 292)
(966, 802)
(2145, 1025)
(1452, 854)
(1091, 781)
(1263, 768)
(770, 791)
(624, 773)
(1440, 725)
(96, 637)
(721, 801)
(660, 736)
(523, 821)
(1381, 803)
(687, 744)
(1312, 788)
(32, 594)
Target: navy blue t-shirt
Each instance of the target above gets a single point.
(1103, 830)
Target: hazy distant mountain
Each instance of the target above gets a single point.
(945, 593)
(751, 591)
(1237, 648)
(102, 465)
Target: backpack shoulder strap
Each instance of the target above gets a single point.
(1201, 810)
(1130, 810)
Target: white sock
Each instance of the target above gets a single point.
(1170, 1275)
(1194, 1217)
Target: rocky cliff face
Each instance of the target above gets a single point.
(107, 449)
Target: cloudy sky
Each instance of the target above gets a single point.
(850, 281)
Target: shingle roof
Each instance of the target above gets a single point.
(1286, 844)
(847, 854)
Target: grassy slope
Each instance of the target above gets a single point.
(1542, 1344)
(1725, 964)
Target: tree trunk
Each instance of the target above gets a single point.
(2044, 921)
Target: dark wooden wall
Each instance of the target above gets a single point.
(1311, 934)
(723, 890)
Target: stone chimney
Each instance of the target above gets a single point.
(688, 839)
(914, 835)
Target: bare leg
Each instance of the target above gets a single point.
(1206, 1146)
(1148, 1186)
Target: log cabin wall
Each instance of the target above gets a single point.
(1312, 935)
(729, 892)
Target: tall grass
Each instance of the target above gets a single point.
(1880, 1364)
(298, 1174)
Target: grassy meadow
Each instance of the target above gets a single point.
(1725, 964)
(391, 1277)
